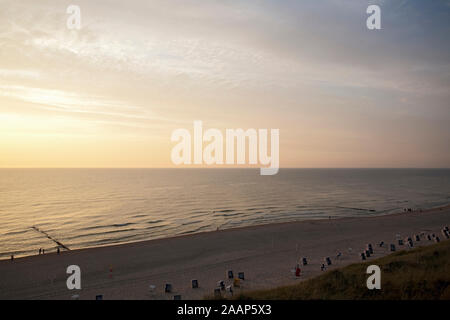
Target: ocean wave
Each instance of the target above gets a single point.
(98, 234)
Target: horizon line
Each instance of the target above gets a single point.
(196, 168)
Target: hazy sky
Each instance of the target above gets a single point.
(110, 94)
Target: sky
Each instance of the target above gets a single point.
(111, 93)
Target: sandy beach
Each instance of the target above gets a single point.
(267, 254)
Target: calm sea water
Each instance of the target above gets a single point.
(93, 207)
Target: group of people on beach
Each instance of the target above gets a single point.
(41, 251)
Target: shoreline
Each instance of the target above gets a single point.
(427, 210)
(266, 253)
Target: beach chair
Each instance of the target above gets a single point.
(304, 261)
(297, 271)
(229, 289)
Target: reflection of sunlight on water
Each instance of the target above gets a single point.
(85, 208)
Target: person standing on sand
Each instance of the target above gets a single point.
(40, 250)
(57, 250)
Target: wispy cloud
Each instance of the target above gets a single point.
(161, 63)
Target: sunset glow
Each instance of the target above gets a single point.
(110, 94)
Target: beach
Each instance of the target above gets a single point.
(267, 254)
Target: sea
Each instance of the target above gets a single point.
(82, 208)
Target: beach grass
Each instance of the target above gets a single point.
(418, 274)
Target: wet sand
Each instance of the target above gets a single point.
(267, 254)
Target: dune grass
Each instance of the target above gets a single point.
(419, 274)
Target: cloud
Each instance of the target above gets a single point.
(234, 44)
(161, 63)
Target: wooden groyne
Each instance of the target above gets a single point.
(50, 237)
